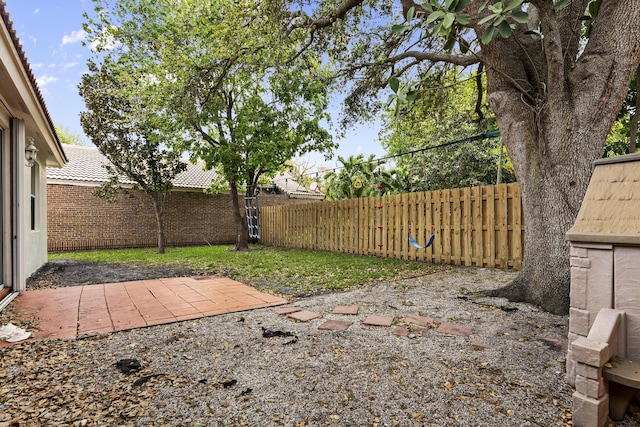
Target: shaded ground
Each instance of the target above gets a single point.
(76, 273)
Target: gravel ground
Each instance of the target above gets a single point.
(258, 368)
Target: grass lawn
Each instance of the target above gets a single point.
(267, 266)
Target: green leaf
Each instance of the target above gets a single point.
(448, 20)
(520, 17)
(463, 19)
(411, 96)
(394, 83)
(488, 18)
(594, 7)
(513, 5)
(464, 47)
(462, 4)
(435, 15)
(448, 4)
(449, 44)
(495, 8)
(505, 29)
(398, 28)
(560, 5)
(488, 35)
(410, 13)
(483, 5)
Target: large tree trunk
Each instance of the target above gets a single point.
(158, 207)
(553, 131)
(242, 229)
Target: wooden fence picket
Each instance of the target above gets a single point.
(479, 226)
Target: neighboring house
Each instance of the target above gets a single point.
(25, 126)
(78, 220)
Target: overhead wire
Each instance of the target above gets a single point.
(381, 160)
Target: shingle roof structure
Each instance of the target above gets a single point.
(85, 167)
(610, 211)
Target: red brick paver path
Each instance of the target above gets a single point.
(84, 310)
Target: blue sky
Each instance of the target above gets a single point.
(51, 35)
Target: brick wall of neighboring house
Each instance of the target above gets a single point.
(78, 220)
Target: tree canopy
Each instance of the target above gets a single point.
(139, 143)
(246, 99)
(440, 116)
(555, 81)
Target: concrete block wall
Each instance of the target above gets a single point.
(591, 290)
(590, 354)
(627, 296)
(78, 220)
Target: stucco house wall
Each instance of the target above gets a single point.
(23, 118)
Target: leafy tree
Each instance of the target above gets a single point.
(138, 143)
(223, 71)
(555, 92)
(626, 125)
(357, 177)
(68, 137)
(439, 116)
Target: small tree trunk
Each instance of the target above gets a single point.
(633, 134)
(158, 208)
(242, 229)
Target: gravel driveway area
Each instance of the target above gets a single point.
(450, 358)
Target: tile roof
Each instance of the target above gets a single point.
(85, 166)
(287, 184)
(27, 68)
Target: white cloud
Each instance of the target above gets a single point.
(35, 66)
(104, 41)
(46, 80)
(33, 39)
(74, 37)
(69, 65)
(35, 12)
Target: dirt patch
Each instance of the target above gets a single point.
(77, 273)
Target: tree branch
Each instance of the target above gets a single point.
(461, 60)
(327, 21)
(553, 48)
(480, 91)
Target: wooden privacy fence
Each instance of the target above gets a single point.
(477, 226)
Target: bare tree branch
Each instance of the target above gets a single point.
(339, 13)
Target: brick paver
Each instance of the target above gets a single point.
(405, 331)
(346, 309)
(304, 315)
(286, 310)
(68, 312)
(454, 329)
(378, 320)
(335, 325)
